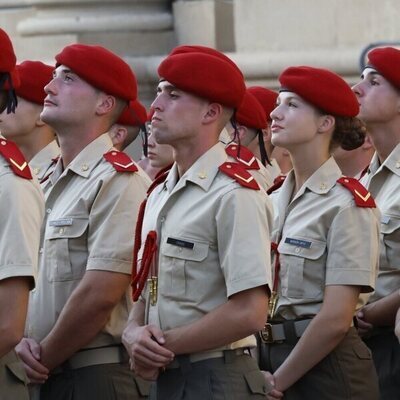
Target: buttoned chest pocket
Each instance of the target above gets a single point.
(302, 272)
(66, 254)
(181, 266)
(390, 230)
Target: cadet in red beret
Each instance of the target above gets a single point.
(324, 246)
(378, 94)
(22, 208)
(207, 289)
(35, 138)
(80, 306)
(129, 124)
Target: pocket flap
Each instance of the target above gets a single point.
(362, 351)
(198, 253)
(76, 229)
(257, 382)
(17, 370)
(305, 247)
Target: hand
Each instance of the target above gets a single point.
(28, 351)
(273, 393)
(149, 374)
(363, 326)
(145, 347)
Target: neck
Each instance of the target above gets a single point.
(186, 154)
(305, 162)
(384, 138)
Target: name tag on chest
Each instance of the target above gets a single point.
(305, 244)
(180, 243)
(61, 222)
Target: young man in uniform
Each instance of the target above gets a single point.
(22, 209)
(35, 138)
(206, 235)
(81, 304)
(378, 94)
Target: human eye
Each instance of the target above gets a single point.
(68, 78)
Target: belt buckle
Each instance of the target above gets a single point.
(266, 333)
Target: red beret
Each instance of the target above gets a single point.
(322, 88)
(386, 61)
(250, 113)
(266, 97)
(101, 68)
(134, 115)
(8, 60)
(206, 73)
(34, 77)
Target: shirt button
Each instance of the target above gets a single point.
(398, 164)
(48, 210)
(41, 250)
(180, 250)
(297, 249)
(162, 219)
(62, 230)
(84, 167)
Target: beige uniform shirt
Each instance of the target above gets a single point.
(383, 181)
(89, 224)
(42, 163)
(212, 241)
(21, 215)
(324, 239)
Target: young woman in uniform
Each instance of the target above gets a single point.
(325, 249)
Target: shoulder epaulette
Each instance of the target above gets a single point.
(15, 158)
(278, 182)
(239, 174)
(362, 197)
(120, 161)
(243, 156)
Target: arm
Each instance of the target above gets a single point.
(14, 294)
(228, 323)
(381, 312)
(397, 328)
(83, 316)
(323, 334)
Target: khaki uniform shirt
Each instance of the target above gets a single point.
(89, 224)
(212, 241)
(21, 215)
(324, 239)
(42, 163)
(383, 181)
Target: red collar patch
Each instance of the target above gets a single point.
(362, 197)
(245, 158)
(239, 174)
(120, 161)
(15, 158)
(278, 182)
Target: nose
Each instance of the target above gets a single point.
(357, 89)
(275, 114)
(50, 87)
(150, 142)
(157, 103)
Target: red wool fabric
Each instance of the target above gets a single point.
(386, 61)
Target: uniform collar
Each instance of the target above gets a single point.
(44, 157)
(87, 159)
(392, 162)
(202, 172)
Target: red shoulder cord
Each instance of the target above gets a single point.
(138, 279)
(277, 267)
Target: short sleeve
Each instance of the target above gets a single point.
(353, 248)
(243, 223)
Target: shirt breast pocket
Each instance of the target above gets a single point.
(180, 267)
(302, 269)
(66, 253)
(390, 229)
